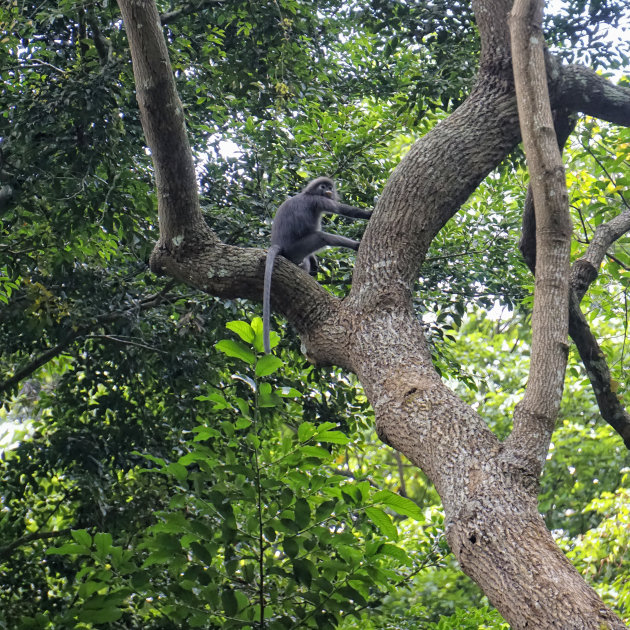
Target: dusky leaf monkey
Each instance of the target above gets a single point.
(296, 233)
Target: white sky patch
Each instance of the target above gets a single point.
(229, 149)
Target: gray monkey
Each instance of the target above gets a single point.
(296, 233)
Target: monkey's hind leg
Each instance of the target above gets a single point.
(307, 246)
(310, 265)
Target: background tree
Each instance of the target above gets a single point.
(131, 374)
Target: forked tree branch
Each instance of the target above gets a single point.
(583, 273)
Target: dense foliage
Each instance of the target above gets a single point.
(156, 470)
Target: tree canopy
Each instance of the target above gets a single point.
(388, 465)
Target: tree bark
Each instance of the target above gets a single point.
(535, 415)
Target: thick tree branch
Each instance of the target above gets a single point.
(162, 116)
(583, 273)
(432, 182)
(535, 415)
(564, 124)
(491, 18)
(580, 89)
(585, 269)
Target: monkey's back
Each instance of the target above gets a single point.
(296, 218)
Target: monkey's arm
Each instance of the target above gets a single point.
(334, 207)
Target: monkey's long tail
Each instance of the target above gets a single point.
(273, 251)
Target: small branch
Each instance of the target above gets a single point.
(618, 262)
(401, 474)
(126, 342)
(37, 63)
(583, 273)
(41, 360)
(7, 550)
(585, 269)
(145, 304)
(186, 9)
(608, 175)
(594, 361)
(104, 47)
(582, 223)
(350, 475)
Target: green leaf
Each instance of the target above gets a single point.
(235, 349)
(334, 437)
(268, 400)
(215, 397)
(267, 365)
(103, 543)
(302, 513)
(315, 451)
(306, 431)
(402, 505)
(151, 458)
(352, 594)
(87, 589)
(290, 547)
(257, 327)
(82, 537)
(325, 426)
(325, 509)
(69, 549)
(242, 423)
(161, 556)
(201, 552)
(178, 471)
(394, 552)
(243, 405)
(383, 522)
(288, 392)
(229, 601)
(303, 570)
(104, 615)
(243, 330)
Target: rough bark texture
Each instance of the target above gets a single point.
(488, 488)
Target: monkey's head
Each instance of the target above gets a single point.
(323, 186)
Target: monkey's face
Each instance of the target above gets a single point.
(325, 189)
(321, 187)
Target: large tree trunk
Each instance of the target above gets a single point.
(488, 488)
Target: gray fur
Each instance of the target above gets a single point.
(296, 233)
